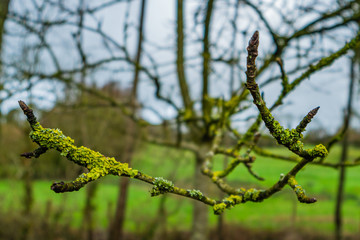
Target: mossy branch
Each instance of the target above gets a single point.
(327, 61)
(255, 195)
(287, 137)
(238, 158)
(295, 159)
(299, 191)
(100, 166)
(284, 77)
(311, 69)
(97, 164)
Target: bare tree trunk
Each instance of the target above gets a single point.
(344, 153)
(156, 229)
(206, 109)
(89, 210)
(116, 228)
(117, 225)
(200, 211)
(28, 198)
(4, 8)
(162, 219)
(294, 213)
(340, 192)
(185, 93)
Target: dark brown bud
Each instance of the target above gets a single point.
(313, 112)
(254, 42)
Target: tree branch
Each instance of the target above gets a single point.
(289, 138)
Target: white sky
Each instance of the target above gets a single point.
(327, 89)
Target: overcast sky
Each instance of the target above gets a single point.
(327, 89)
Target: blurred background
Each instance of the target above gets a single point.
(76, 64)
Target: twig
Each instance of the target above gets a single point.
(289, 138)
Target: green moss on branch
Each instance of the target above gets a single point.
(161, 186)
(299, 191)
(97, 164)
(291, 138)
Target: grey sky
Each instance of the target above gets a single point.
(327, 89)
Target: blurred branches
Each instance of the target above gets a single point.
(100, 166)
(197, 76)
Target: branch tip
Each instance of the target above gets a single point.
(57, 187)
(28, 113)
(25, 108)
(27, 155)
(23, 105)
(313, 112)
(254, 41)
(250, 63)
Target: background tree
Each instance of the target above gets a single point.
(116, 230)
(343, 134)
(4, 7)
(202, 110)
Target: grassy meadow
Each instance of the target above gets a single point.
(280, 211)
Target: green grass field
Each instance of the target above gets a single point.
(280, 211)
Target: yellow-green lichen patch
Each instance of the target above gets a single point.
(292, 182)
(195, 194)
(161, 186)
(233, 200)
(51, 138)
(240, 191)
(299, 191)
(215, 175)
(228, 202)
(318, 151)
(252, 194)
(97, 164)
(219, 208)
(122, 169)
(296, 146)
